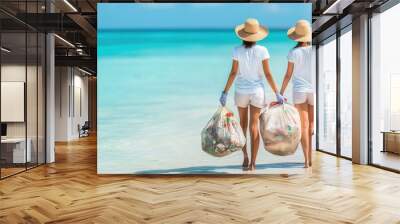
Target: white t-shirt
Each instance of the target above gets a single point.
(302, 74)
(250, 71)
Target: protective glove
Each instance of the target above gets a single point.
(279, 98)
(223, 97)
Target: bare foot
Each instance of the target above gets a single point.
(252, 167)
(306, 164)
(310, 164)
(245, 162)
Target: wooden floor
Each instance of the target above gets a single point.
(387, 159)
(5, 172)
(69, 191)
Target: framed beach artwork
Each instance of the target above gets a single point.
(161, 70)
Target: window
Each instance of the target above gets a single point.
(385, 89)
(346, 93)
(22, 87)
(15, 150)
(327, 96)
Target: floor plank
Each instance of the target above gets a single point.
(70, 191)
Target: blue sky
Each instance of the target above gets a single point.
(198, 15)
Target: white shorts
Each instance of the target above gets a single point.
(300, 97)
(256, 99)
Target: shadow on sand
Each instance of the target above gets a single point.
(221, 169)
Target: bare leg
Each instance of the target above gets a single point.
(243, 115)
(305, 139)
(255, 135)
(311, 131)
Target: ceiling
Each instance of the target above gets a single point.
(75, 22)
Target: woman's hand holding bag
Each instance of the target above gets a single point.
(223, 97)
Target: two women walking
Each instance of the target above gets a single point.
(250, 62)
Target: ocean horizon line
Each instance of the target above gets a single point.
(176, 30)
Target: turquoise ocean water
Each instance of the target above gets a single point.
(158, 89)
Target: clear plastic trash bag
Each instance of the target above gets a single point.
(222, 135)
(280, 129)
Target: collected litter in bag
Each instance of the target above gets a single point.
(280, 129)
(222, 134)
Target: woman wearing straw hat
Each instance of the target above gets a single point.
(249, 64)
(299, 67)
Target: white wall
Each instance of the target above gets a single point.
(16, 72)
(80, 115)
(33, 127)
(70, 84)
(62, 82)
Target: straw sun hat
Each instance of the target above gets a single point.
(251, 31)
(301, 32)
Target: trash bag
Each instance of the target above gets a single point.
(222, 135)
(280, 129)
